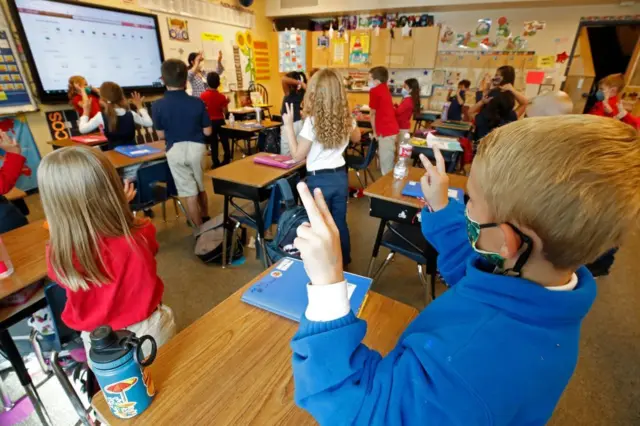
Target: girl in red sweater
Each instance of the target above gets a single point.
(99, 252)
(80, 92)
(409, 106)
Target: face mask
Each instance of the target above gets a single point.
(600, 95)
(473, 232)
(405, 92)
(372, 84)
(462, 92)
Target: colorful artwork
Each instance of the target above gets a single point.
(503, 27)
(465, 41)
(292, 50)
(561, 58)
(447, 35)
(531, 28)
(483, 28)
(120, 405)
(261, 55)
(359, 49)
(516, 43)
(178, 29)
(244, 41)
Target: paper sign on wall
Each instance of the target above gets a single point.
(359, 52)
(211, 37)
(338, 51)
(178, 29)
(547, 61)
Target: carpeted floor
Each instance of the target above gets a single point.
(605, 389)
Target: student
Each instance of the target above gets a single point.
(116, 120)
(98, 251)
(328, 127)
(294, 85)
(78, 92)
(182, 121)
(10, 171)
(197, 76)
(609, 103)
(383, 118)
(216, 104)
(497, 108)
(500, 346)
(409, 107)
(550, 103)
(456, 103)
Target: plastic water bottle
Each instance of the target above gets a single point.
(6, 267)
(117, 362)
(401, 169)
(232, 120)
(258, 111)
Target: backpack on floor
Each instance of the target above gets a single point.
(290, 219)
(269, 140)
(209, 242)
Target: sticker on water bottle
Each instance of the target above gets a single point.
(120, 405)
(405, 151)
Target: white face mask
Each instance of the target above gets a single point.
(372, 84)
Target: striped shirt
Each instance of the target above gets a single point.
(198, 81)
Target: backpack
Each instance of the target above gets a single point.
(269, 140)
(290, 219)
(209, 242)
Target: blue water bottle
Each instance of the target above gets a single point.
(117, 362)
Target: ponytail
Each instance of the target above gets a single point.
(112, 117)
(414, 90)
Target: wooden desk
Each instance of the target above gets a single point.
(238, 126)
(15, 194)
(250, 181)
(62, 143)
(238, 132)
(452, 128)
(119, 161)
(233, 366)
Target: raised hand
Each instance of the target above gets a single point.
(219, 55)
(9, 144)
(287, 117)
(435, 182)
(319, 240)
(137, 100)
(507, 87)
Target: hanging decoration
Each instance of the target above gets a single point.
(447, 35)
(483, 27)
(359, 49)
(503, 27)
(561, 58)
(531, 28)
(516, 43)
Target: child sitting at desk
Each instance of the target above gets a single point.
(500, 346)
(328, 127)
(99, 252)
(78, 92)
(10, 216)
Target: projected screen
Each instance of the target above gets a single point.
(65, 39)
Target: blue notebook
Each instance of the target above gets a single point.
(413, 189)
(284, 290)
(135, 151)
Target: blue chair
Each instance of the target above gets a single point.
(360, 163)
(408, 241)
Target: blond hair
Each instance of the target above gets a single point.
(73, 80)
(550, 103)
(573, 180)
(84, 201)
(614, 81)
(326, 103)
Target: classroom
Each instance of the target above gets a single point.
(319, 212)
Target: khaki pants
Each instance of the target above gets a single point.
(185, 162)
(387, 150)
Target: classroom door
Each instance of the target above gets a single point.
(578, 88)
(581, 73)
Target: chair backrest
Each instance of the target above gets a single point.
(56, 299)
(147, 177)
(263, 92)
(371, 153)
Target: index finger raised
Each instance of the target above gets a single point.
(440, 166)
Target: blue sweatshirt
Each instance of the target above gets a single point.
(492, 350)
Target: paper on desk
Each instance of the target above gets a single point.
(443, 142)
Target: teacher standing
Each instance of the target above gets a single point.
(197, 77)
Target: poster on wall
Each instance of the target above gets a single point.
(261, 54)
(18, 128)
(178, 29)
(359, 49)
(292, 51)
(338, 51)
(244, 41)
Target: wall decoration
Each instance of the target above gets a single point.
(463, 40)
(338, 51)
(292, 52)
(483, 27)
(535, 77)
(447, 35)
(532, 27)
(261, 51)
(561, 58)
(516, 43)
(503, 27)
(178, 29)
(322, 42)
(244, 41)
(359, 49)
(545, 61)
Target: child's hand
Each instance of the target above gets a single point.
(129, 191)
(137, 100)
(219, 55)
(607, 107)
(319, 241)
(9, 144)
(287, 117)
(435, 182)
(508, 88)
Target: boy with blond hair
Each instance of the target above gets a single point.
(609, 103)
(500, 346)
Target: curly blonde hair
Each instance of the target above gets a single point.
(326, 103)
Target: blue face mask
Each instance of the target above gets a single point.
(405, 92)
(372, 84)
(600, 95)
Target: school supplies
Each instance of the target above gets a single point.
(284, 290)
(443, 142)
(275, 160)
(413, 189)
(89, 138)
(135, 151)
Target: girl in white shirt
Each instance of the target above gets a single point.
(326, 131)
(116, 120)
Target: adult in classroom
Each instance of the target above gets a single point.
(197, 76)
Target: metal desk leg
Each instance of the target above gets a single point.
(376, 246)
(225, 224)
(260, 226)
(18, 365)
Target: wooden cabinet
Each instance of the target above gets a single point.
(319, 55)
(401, 49)
(425, 46)
(380, 48)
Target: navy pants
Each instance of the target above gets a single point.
(335, 188)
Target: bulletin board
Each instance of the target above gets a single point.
(292, 51)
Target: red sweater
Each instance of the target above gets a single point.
(404, 111)
(134, 292)
(215, 102)
(598, 109)
(10, 171)
(76, 102)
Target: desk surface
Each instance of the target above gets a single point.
(15, 194)
(26, 248)
(118, 160)
(266, 124)
(453, 125)
(62, 143)
(233, 366)
(389, 189)
(246, 172)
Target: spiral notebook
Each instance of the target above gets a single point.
(284, 290)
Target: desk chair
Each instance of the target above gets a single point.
(264, 94)
(408, 241)
(452, 159)
(361, 162)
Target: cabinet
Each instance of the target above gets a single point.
(319, 55)
(401, 49)
(425, 46)
(380, 48)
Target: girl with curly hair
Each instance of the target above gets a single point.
(327, 129)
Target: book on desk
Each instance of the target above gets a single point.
(284, 290)
(275, 160)
(135, 151)
(413, 189)
(95, 138)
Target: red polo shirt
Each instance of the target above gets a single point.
(215, 102)
(380, 101)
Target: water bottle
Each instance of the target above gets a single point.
(401, 169)
(258, 111)
(232, 120)
(117, 360)
(6, 267)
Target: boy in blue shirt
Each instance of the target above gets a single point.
(183, 122)
(457, 101)
(499, 347)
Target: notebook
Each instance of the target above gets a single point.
(135, 151)
(443, 142)
(284, 290)
(89, 138)
(275, 160)
(413, 189)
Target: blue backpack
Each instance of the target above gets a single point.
(290, 219)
